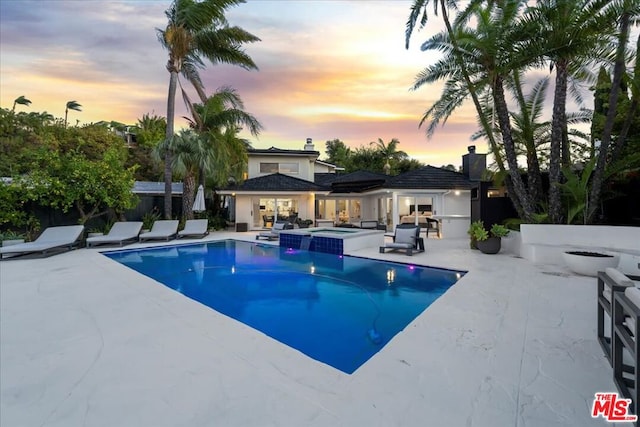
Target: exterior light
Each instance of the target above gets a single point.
(457, 192)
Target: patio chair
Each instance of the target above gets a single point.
(120, 233)
(369, 224)
(610, 281)
(195, 228)
(274, 233)
(433, 226)
(62, 237)
(626, 326)
(164, 229)
(405, 238)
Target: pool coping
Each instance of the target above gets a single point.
(86, 340)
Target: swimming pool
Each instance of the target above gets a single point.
(339, 310)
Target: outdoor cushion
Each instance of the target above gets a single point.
(120, 232)
(633, 295)
(405, 236)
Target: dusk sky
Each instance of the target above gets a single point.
(328, 69)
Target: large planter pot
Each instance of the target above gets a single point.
(489, 246)
(589, 263)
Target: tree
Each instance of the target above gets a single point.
(389, 153)
(71, 105)
(21, 100)
(197, 30)
(337, 153)
(71, 180)
(628, 9)
(478, 61)
(191, 153)
(569, 35)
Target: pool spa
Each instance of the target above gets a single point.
(338, 310)
(331, 240)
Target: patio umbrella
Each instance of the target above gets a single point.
(198, 204)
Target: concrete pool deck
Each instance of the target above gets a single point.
(87, 341)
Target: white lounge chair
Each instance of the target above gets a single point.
(120, 233)
(195, 228)
(274, 233)
(52, 238)
(406, 238)
(163, 229)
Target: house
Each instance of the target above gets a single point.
(294, 184)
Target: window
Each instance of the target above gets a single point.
(268, 167)
(289, 167)
(279, 167)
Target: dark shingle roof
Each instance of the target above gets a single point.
(149, 187)
(274, 150)
(278, 182)
(325, 179)
(429, 177)
(360, 176)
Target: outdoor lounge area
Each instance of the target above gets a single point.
(511, 344)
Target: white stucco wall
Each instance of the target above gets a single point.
(305, 165)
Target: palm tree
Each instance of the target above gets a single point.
(190, 154)
(389, 152)
(477, 63)
(627, 11)
(21, 100)
(197, 30)
(71, 105)
(569, 35)
(218, 120)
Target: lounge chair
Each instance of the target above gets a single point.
(163, 229)
(195, 228)
(52, 238)
(274, 233)
(120, 233)
(406, 238)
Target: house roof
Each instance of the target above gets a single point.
(148, 187)
(277, 182)
(358, 182)
(282, 152)
(429, 177)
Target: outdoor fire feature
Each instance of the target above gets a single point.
(589, 263)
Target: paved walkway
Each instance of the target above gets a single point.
(85, 341)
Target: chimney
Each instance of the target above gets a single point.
(474, 164)
(309, 145)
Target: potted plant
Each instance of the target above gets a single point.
(473, 232)
(490, 242)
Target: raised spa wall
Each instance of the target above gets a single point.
(328, 241)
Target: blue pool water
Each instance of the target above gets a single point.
(339, 310)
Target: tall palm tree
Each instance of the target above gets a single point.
(218, 120)
(197, 30)
(477, 63)
(570, 35)
(626, 12)
(389, 152)
(71, 105)
(21, 100)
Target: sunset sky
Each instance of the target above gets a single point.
(328, 69)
